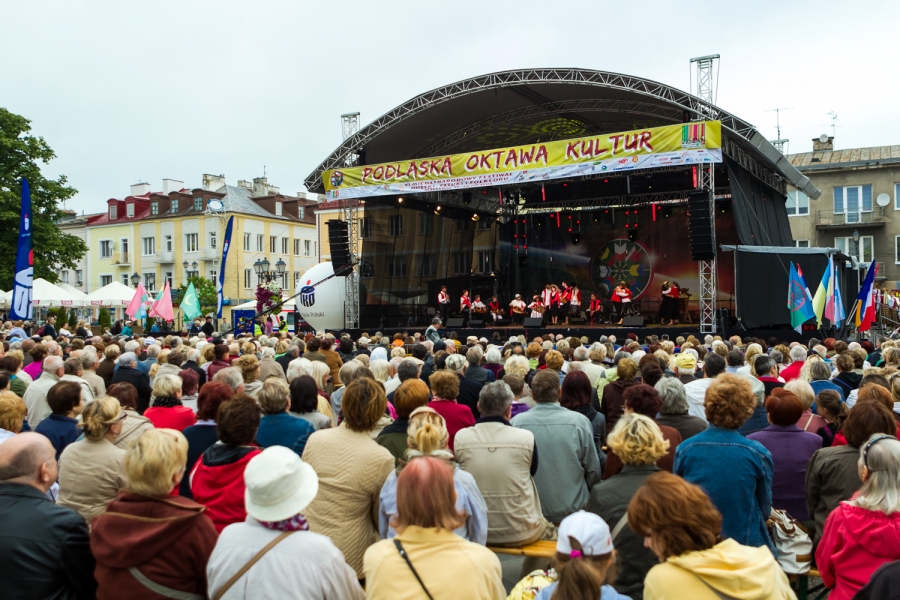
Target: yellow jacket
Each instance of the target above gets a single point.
(736, 571)
(450, 567)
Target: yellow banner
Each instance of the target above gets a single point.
(688, 143)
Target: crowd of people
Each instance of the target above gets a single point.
(387, 467)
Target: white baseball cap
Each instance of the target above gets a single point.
(279, 485)
(589, 529)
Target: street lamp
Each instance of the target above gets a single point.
(135, 279)
(280, 266)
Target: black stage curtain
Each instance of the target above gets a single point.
(760, 215)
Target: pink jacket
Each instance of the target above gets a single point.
(856, 542)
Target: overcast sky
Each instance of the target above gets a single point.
(128, 91)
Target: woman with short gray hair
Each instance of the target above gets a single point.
(674, 410)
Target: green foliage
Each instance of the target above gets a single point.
(73, 320)
(103, 320)
(60, 314)
(206, 293)
(20, 155)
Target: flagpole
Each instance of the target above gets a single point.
(846, 324)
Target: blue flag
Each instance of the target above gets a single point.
(24, 280)
(799, 300)
(220, 285)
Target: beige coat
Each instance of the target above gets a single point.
(132, 427)
(352, 468)
(98, 386)
(269, 368)
(36, 398)
(90, 476)
(450, 567)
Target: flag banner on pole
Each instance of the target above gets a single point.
(834, 309)
(865, 314)
(23, 284)
(799, 301)
(820, 299)
(190, 304)
(162, 308)
(136, 308)
(220, 285)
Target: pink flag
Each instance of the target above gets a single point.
(162, 308)
(135, 308)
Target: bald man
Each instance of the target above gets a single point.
(45, 548)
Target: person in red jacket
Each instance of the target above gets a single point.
(148, 537)
(166, 409)
(445, 389)
(621, 298)
(218, 477)
(221, 361)
(863, 533)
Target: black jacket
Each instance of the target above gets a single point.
(469, 390)
(139, 380)
(193, 366)
(45, 549)
(884, 584)
(284, 360)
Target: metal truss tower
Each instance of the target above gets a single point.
(350, 214)
(708, 287)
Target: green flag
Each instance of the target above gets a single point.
(190, 304)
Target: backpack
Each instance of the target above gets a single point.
(41, 331)
(791, 541)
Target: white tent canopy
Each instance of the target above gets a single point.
(45, 293)
(113, 294)
(72, 290)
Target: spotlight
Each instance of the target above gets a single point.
(438, 208)
(400, 199)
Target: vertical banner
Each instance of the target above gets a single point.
(220, 285)
(24, 278)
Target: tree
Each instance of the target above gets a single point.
(20, 153)
(103, 319)
(206, 293)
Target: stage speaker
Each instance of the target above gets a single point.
(529, 322)
(633, 322)
(339, 245)
(476, 323)
(577, 320)
(454, 323)
(700, 226)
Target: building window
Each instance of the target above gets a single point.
(198, 203)
(248, 279)
(154, 208)
(397, 267)
(366, 268)
(173, 208)
(79, 277)
(365, 230)
(212, 239)
(897, 196)
(797, 203)
(105, 280)
(64, 275)
(485, 225)
(126, 279)
(485, 262)
(123, 246)
(149, 246)
(284, 245)
(427, 265)
(852, 201)
(278, 210)
(462, 262)
(296, 247)
(862, 251)
(462, 224)
(273, 240)
(150, 281)
(106, 248)
(396, 225)
(129, 210)
(259, 242)
(169, 279)
(246, 242)
(426, 224)
(307, 245)
(297, 276)
(801, 243)
(896, 250)
(302, 211)
(213, 275)
(112, 212)
(191, 242)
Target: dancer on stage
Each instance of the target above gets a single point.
(621, 298)
(537, 308)
(574, 301)
(552, 305)
(444, 302)
(565, 295)
(668, 308)
(494, 307)
(595, 309)
(517, 309)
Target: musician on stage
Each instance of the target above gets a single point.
(494, 308)
(565, 295)
(465, 304)
(478, 306)
(595, 308)
(621, 298)
(517, 309)
(553, 305)
(444, 302)
(574, 301)
(537, 308)
(668, 308)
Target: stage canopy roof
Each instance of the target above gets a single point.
(537, 105)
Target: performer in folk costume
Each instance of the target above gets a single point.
(478, 306)
(668, 308)
(553, 306)
(564, 297)
(465, 304)
(574, 301)
(517, 309)
(494, 308)
(621, 298)
(444, 303)
(595, 309)
(537, 308)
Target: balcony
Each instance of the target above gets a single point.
(121, 258)
(165, 257)
(209, 254)
(827, 219)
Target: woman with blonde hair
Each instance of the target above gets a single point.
(146, 530)
(753, 350)
(249, 366)
(809, 421)
(92, 470)
(12, 414)
(427, 436)
(639, 443)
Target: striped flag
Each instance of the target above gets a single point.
(865, 315)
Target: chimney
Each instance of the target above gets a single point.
(172, 185)
(243, 183)
(213, 183)
(823, 143)
(262, 188)
(140, 189)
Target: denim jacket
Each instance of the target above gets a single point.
(736, 473)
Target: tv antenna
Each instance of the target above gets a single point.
(834, 124)
(779, 143)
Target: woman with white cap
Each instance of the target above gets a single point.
(273, 554)
(585, 561)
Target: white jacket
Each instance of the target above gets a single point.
(36, 398)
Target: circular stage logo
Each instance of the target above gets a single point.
(621, 260)
(337, 178)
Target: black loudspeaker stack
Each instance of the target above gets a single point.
(473, 322)
(339, 244)
(700, 226)
(633, 322)
(454, 322)
(530, 322)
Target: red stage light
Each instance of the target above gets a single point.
(606, 181)
(626, 225)
(526, 246)
(694, 174)
(570, 230)
(653, 207)
(557, 220)
(543, 194)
